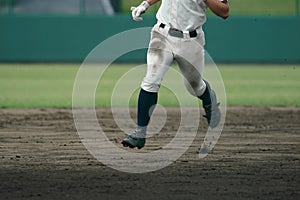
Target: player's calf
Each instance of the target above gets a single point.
(211, 106)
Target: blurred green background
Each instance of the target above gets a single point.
(51, 85)
(239, 7)
(257, 51)
(242, 7)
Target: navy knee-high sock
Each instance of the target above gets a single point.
(205, 97)
(146, 101)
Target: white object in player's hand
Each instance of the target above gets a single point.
(137, 11)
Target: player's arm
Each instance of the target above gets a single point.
(220, 8)
(137, 11)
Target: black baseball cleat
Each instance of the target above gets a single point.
(212, 111)
(136, 139)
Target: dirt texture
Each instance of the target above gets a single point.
(256, 157)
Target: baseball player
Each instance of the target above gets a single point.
(178, 36)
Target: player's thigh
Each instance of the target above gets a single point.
(159, 57)
(192, 69)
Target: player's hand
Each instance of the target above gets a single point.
(137, 11)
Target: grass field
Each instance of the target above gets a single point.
(242, 7)
(51, 85)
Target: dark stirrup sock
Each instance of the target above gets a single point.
(146, 104)
(205, 97)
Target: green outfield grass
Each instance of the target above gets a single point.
(51, 85)
(241, 7)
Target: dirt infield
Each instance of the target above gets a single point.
(257, 157)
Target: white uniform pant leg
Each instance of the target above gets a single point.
(159, 59)
(190, 59)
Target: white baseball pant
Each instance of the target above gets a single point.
(188, 53)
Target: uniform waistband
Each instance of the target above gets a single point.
(178, 33)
